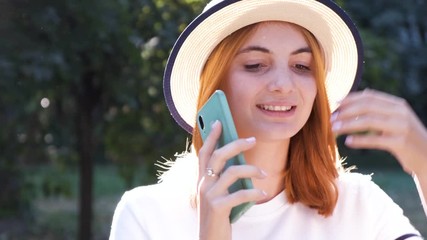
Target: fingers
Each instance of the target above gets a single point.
(372, 124)
(213, 160)
(209, 146)
(219, 182)
(384, 120)
(372, 141)
(369, 95)
(215, 202)
(369, 102)
(390, 124)
(371, 111)
(222, 205)
(220, 156)
(231, 175)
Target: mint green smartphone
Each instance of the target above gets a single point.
(216, 108)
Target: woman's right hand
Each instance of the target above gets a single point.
(214, 201)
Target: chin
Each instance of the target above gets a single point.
(272, 134)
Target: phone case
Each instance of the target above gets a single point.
(216, 108)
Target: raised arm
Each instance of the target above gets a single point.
(391, 125)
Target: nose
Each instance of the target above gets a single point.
(281, 81)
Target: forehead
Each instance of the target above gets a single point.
(276, 31)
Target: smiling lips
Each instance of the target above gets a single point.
(276, 108)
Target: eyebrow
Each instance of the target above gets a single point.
(265, 50)
(253, 48)
(302, 50)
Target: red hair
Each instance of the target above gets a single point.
(311, 167)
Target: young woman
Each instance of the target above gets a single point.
(284, 66)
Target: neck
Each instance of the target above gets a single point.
(271, 157)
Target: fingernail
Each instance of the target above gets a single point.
(349, 140)
(334, 116)
(263, 173)
(336, 126)
(214, 123)
(251, 139)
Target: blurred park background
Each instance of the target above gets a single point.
(82, 114)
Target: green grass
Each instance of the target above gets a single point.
(55, 203)
(55, 216)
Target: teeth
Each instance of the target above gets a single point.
(276, 108)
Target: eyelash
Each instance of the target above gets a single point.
(253, 67)
(302, 68)
(258, 66)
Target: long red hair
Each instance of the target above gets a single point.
(312, 164)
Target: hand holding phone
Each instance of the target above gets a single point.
(216, 108)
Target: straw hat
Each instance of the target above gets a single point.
(332, 27)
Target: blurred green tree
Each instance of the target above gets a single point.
(82, 79)
(64, 62)
(157, 25)
(395, 37)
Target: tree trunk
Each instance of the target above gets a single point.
(86, 175)
(87, 98)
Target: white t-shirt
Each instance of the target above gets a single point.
(164, 211)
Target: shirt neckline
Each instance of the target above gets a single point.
(267, 208)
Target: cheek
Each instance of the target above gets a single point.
(238, 92)
(313, 92)
(232, 87)
(234, 81)
(309, 90)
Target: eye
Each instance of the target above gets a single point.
(253, 67)
(302, 68)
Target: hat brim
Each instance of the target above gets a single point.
(332, 27)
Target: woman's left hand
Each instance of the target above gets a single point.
(376, 120)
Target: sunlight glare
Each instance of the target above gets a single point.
(45, 102)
